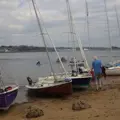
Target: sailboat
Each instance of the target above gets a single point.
(7, 94)
(113, 69)
(54, 84)
(79, 75)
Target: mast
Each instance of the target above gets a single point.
(108, 26)
(70, 19)
(53, 44)
(83, 54)
(41, 31)
(87, 23)
(117, 19)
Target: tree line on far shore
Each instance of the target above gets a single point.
(25, 48)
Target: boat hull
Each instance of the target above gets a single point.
(59, 89)
(113, 72)
(7, 98)
(81, 82)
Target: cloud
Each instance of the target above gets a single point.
(18, 25)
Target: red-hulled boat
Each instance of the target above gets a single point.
(53, 85)
(47, 86)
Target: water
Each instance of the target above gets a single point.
(16, 67)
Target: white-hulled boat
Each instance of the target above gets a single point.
(113, 71)
(113, 68)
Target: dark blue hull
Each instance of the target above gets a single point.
(81, 82)
(6, 99)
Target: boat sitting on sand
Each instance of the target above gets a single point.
(7, 95)
(48, 86)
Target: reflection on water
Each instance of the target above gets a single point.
(17, 66)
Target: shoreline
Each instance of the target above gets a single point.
(104, 105)
(62, 50)
(59, 50)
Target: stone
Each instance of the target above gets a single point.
(80, 105)
(97, 115)
(34, 112)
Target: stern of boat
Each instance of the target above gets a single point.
(8, 97)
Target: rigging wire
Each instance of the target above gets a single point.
(41, 31)
(51, 41)
(87, 23)
(48, 36)
(79, 41)
(117, 19)
(108, 27)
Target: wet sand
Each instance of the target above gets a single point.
(105, 105)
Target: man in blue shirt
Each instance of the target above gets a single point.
(96, 65)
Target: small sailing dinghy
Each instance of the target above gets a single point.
(51, 85)
(7, 95)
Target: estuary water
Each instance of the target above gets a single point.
(15, 67)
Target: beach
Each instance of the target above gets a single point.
(105, 105)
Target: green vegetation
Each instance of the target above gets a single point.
(24, 48)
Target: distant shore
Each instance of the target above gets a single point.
(23, 48)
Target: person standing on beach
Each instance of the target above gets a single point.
(104, 72)
(96, 66)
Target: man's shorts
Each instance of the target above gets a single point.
(98, 76)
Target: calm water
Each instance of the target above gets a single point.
(17, 66)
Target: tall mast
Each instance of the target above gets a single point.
(87, 23)
(41, 31)
(83, 54)
(108, 26)
(53, 44)
(117, 19)
(70, 18)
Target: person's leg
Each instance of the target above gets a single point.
(100, 81)
(96, 82)
(105, 76)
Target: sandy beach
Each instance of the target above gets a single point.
(105, 105)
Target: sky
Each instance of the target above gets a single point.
(18, 25)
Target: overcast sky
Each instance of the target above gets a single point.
(18, 25)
